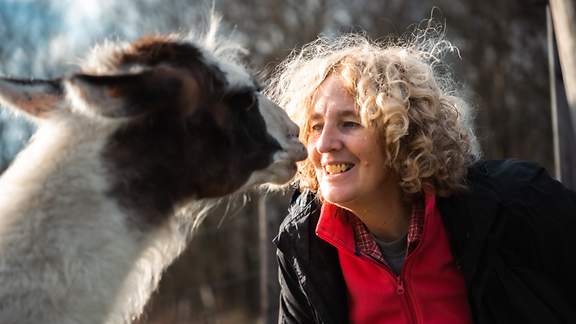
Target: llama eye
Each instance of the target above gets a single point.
(252, 101)
(242, 100)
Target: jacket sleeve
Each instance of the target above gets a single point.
(530, 277)
(555, 207)
(294, 307)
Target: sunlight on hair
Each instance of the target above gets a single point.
(403, 88)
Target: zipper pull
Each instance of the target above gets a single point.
(400, 287)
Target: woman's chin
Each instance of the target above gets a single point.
(336, 197)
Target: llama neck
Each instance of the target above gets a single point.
(58, 167)
(58, 221)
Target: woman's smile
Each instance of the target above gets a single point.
(333, 169)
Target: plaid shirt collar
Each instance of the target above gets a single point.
(365, 243)
(343, 229)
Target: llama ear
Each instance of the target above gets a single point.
(35, 98)
(124, 95)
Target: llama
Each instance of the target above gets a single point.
(88, 210)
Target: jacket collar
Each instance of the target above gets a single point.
(315, 261)
(339, 227)
(335, 227)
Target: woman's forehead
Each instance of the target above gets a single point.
(332, 96)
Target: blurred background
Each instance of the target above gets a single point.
(228, 274)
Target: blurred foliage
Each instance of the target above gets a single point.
(502, 69)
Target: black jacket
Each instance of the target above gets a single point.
(512, 235)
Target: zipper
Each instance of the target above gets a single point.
(403, 292)
(401, 289)
(406, 297)
(400, 286)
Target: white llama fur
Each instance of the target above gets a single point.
(68, 252)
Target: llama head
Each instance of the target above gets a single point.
(177, 121)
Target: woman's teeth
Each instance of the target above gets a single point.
(338, 168)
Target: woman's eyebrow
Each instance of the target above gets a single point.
(340, 114)
(347, 113)
(316, 116)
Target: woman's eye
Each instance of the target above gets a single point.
(316, 128)
(350, 124)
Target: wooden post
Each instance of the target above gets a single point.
(552, 62)
(263, 238)
(564, 20)
(272, 207)
(562, 63)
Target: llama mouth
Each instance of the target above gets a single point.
(338, 168)
(292, 154)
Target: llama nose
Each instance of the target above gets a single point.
(301, 153)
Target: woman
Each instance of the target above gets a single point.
(397, 220)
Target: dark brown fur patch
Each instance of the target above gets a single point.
(155, 50)
(173, 154)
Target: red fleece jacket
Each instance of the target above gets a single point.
(429, 289)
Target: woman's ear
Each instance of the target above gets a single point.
(35, 99)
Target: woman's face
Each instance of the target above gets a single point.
(348, 159)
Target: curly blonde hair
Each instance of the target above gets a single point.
(402, 89)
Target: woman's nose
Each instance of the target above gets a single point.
(328, 141)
